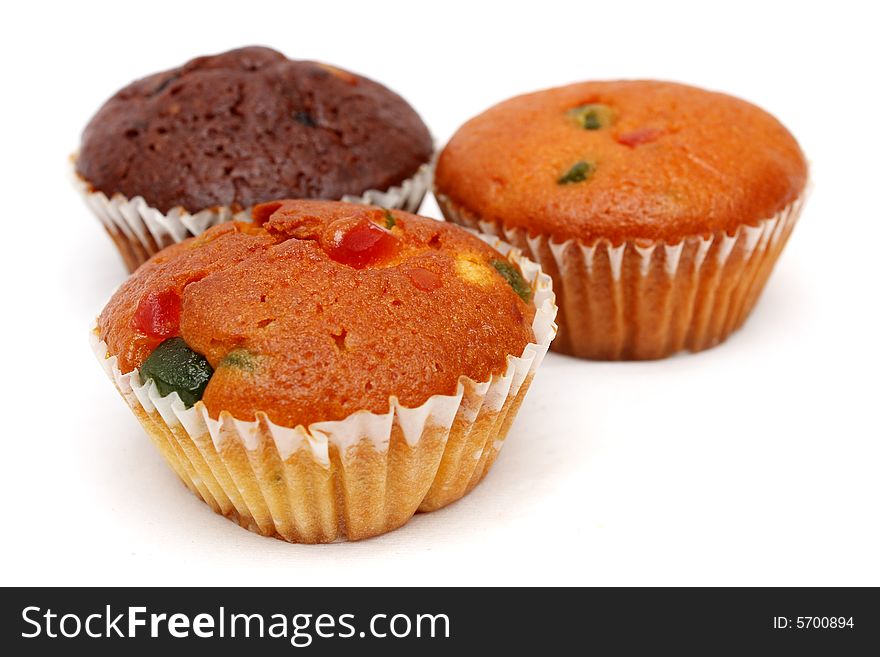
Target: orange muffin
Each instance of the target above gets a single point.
(658, 209)
(329, 369)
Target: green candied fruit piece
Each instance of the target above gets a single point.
(240, 359)
(174, 367)
(510, 273)
(593, 116)
(578, 172)
(390, 221)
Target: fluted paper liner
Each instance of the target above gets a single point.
(349, 479)
(140, 231)
(648, 299)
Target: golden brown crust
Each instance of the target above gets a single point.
(675, 161)
(319, 339)
(633, 302)
(361, 492)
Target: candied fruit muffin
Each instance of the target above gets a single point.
(659, 209)
(184, 149)
(329, 369)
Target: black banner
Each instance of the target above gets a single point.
(435, 621)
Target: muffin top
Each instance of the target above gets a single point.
(248, 126)
(622, 160)
(317, 310)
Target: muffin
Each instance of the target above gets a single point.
(329, 369)
(658, 209)
(178, 151)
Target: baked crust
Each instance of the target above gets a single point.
(248, 126)
(321, 339)
(675, 161)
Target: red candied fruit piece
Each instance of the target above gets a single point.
(424, 279)
(158, 314)
(360, 243)
(638, 137)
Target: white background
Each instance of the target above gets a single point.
(754, 463)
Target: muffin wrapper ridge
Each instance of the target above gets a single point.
(140, 231)
(648, 299)
(349, 479)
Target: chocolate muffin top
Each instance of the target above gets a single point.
(317, 310)
(624, 160)
(248, 126)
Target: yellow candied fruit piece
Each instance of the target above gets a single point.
(474, 271)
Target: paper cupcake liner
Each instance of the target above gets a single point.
(649, 299)
(140, 231)
(349, 479)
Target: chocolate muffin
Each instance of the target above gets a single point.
(328, 369)
(223, 133)
(658, 208)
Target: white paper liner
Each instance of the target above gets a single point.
(150, 230)
(655, 298)
(435, 417)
